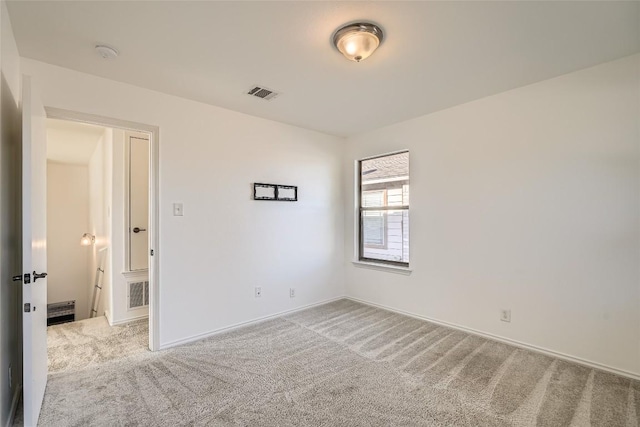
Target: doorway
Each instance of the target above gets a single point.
(34, 239)
(98, 289)
(122, 237)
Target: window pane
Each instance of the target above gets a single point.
(373, 229)
(394, 197)
(386, 170)
(385, 235)
(373, 199)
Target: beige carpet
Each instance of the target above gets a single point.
(78, 345)
(340, 364)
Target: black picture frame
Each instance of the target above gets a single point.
(287, 193)
(264, 191)
(275, 192)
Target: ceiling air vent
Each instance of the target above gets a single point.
(262, 92)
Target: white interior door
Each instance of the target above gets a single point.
(34, 252)
(138, 201)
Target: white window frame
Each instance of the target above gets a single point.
(358, 259)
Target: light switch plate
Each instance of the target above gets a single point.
(177, 209)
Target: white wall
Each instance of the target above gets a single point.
(526, 200)
(226, 243)
(10, 223)
(100, 217)
(67, 221)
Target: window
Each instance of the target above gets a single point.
(384, 209)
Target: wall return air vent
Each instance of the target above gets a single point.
(138, 295)
(262, 92)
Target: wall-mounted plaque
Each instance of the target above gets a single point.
(284, 193)
(287, 193)
(264, 191)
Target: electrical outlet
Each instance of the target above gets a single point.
(292, 292)
(258, 291)
(505, 315)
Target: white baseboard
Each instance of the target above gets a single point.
(127, 320)
(510, 341)
(204, 335)
(123, 321)
(14, 405)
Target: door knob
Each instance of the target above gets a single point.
(37, 276)
(138, 229)
(26, 279)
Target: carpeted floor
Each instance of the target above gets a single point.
(78, 345)
(340, 364)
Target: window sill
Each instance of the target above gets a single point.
(382, 267)
(135, 273)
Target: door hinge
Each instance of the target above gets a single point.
(27, 308)
(151, 252)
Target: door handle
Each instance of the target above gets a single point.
(138, 229)
(37, 276)
(26, 279)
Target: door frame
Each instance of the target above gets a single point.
(154, 205)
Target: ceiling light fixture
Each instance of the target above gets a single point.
(106, 52)
(357, 41)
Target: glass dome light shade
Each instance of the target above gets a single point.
(358, 41)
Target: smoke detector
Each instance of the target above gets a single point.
(106, 52)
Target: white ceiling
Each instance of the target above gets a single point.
(435, 54)
(71, 142)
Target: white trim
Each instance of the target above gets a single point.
(154, 204)
(510, 341)
(391, 153)
(356, 210)
(154, 241)
(204, 335)
(108, 316)
(382, 267)
(125, 203)
(74, 116)
(129, 320)
(381, 180)
(136, 274)
(14, 405)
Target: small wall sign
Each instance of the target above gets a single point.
(264, 191)
(283, 193)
